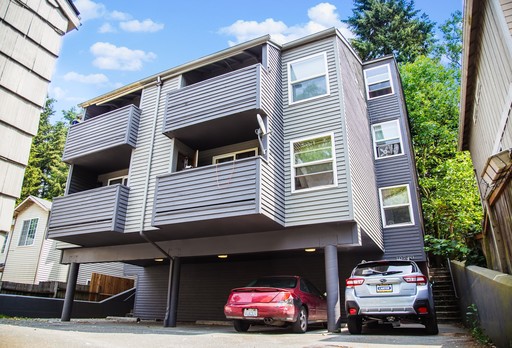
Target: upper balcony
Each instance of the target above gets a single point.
(90, 218)
(104, 142)
(228, 102)
(227, 198)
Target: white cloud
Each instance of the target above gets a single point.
(119, 16)
(90, 10)
(111, 57)
(56, 92)
(321, 17)
(146, 25)
(88, 79)
(106, 28)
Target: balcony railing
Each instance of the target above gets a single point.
(231, 193)
(221, 96)
(101, 211)
(117, 128)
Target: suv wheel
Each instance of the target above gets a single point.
(301, 325)
(431, 326)
(241, 326)
(355, 324)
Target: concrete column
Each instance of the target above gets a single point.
(70, 291)
(171, 312)
(333, 288)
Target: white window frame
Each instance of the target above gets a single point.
(233, 154)
(374, 138)
(24, 237)
(409, 205)
(293, 166)
(326, 74)
(124, 180)
(390, 79)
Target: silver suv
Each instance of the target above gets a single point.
(389, 292)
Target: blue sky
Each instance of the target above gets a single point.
(123, 41)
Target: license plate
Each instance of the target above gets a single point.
(250, 312)
(385, 288)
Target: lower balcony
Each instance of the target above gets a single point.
(219, 199)
(90, 218)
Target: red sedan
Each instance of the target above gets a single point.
(276, 301)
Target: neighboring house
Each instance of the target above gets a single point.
(485, 127)
(30, 40)
(258, 159)
(30, 258)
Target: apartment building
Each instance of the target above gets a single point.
(260, 159)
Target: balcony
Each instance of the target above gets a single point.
(227, 198)
(90, 218)
(104, 142)
(228, 102)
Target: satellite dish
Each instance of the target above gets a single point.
(261, 124)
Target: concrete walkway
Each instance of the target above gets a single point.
(96, 333)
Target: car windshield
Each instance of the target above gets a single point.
(275, 282)
(379, 268)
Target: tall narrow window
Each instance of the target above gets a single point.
(28, 232)
(396, 207)
(313, 163)
(4, 243)
(308, 78)
(387, 140)
(378, 81)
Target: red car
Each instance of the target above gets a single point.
(276, 301)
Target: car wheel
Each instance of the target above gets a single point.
(301, 324)
(431, 326)
(355, 324)
(241, 325)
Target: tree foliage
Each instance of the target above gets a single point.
(385, 27)
(46, 174)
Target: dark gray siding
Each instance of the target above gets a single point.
(217, 97)
(93, 211)
(115, 128)
(310, 118)
(362, 171)
(403, 241)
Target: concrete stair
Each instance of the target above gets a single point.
(445, 300)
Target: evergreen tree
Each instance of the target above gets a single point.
(46, 174)
(385, 27)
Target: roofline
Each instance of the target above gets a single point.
(466, 44)
(377, 60)
(71, 13)
(33, 199)
(176, 71)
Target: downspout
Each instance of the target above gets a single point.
(159, 84)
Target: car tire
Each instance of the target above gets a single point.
(355, 324)
(241, 325)
(301, 324)
(431, 326)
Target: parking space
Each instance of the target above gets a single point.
(119, 333)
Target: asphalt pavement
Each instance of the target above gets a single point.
(113, 333)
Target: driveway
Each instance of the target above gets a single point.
(95, 333)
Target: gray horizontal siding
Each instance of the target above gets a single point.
(115, 128)
(228, 189)
(310, 118)
(217, 97)
(98, 210)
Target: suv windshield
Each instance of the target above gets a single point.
(383, 268)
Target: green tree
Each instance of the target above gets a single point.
(385, 27)
(46, 174)
(450, 47)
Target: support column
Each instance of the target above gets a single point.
(333, 288)
(70, 291)
(171, 312)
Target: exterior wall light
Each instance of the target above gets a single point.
(222, 256)
(310, 250)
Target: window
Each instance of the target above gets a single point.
(378, 81)
(396, 207)
(235, 155)
(307, 78)
(4, 243)
(387, 140)
(119, 180)
(313, 163)
(28, 232)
